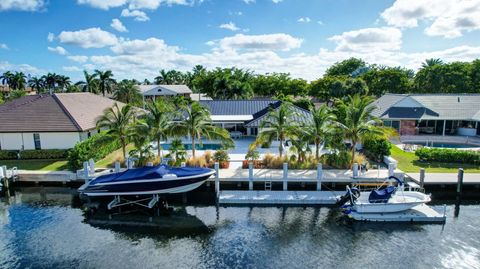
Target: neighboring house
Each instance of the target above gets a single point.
(151, 91)
(6, 89)
(57, 121)
(243, 117)
(199, 97)
(430, 114)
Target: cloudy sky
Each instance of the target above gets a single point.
(137, 38)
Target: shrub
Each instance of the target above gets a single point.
(252, 155)
(208, 156)
(448, 155)
(376, 148)
(360, 159)
(96, 147)
(197, 161)
(267, 159)
(8, 154)
(177, 153)
(221, 156)
(340, 159)
(43, 154)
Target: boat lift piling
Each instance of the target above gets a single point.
(422, 177)
(217, 179)
(459, 192)
(319, 176)
(285, 176)
(250, 176)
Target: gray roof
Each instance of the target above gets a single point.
(164, 89)
(428, 106)
(60, 112)
(236, 107)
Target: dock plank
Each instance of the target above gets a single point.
(279, 197)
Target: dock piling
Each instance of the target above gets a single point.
(422, 177)
(217, 179)
(355, 170)
(86, 171)
(319, 177)
(250, 175)
(459, 192)
(117, 166)
(391, 169)
(285, 176)
(91, 164)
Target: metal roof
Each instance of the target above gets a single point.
(434, 106)
(149, 90)
(236, 107)
(60, 112)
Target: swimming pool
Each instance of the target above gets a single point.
(204, 146)
(446, 145)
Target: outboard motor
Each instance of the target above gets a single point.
(351, 196)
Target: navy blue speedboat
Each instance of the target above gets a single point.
(161, 179)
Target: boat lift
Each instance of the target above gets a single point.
(148, 202)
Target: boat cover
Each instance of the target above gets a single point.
(381, 195)
(153, 172)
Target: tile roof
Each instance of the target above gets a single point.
(435, 106)
(60, 112)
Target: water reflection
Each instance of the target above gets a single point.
(50, 230)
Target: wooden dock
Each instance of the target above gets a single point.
(278, 197)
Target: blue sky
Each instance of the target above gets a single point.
(137, 38)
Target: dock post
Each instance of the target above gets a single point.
(91, 164)
(117, 166)
(285, 176)
(422, 177)
(250, 176)
(319, 177)
(86, 171)
(391, 169)
(217, 179)
(459, 192)
(355, 170)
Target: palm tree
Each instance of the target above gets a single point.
(159, 119)
(320, 127)
(197, 123)
(105, 80)
(18, 80)
(432, 62)
(6, 77)
(50, 81)
(127, 92)
(139, 135)
(356, 122)
(63, 82)
(36, 83)
(279, 124)
(117, 120)
(90, 84)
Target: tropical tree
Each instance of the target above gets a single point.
(63, 82)
(320, 127)
(18, 81)
(160, 120)
(139, 135)
(50, 80)
(279, 124)
(345, 67)
(117, 120)
(355, 120)
(127, 92)
(105, 81)
(14, 94)
(432, 62)
(6, 77)
(197, 123)
(36, 83)
(90, 84)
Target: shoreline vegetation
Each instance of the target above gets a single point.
(345, 92)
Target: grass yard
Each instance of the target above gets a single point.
(408, 162)
(109, 160)
(39, 165)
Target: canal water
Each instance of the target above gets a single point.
(50, 230)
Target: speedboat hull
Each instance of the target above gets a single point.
(145, 186)
(401, 201)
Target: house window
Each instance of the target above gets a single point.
(36, 141)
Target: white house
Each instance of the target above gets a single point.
(56, 121)
(164, 90)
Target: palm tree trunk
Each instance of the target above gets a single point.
(280, 148)
(124, 151)
(159, 148)
(193, 145)
(353, 153)
(317, 149)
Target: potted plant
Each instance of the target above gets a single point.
(252, 156)
(221, 156)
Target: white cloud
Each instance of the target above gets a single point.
(385, 38)
(148, 46)
(276, 1)
(133, 4)
(279, 41)
(102, 4)
(26, 68)
(304, 19)
(118, 25)
(59, 50)
(248, 1)
(229, 26)
(88, 38)
(3, 46)
(50, 37)
(72, 68)
(320, 22)
(78, 58)
(447, 18)
(137, 14)
(22, 5)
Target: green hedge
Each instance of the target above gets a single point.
(376, 148)
(448, 155)
(44, 154)
(8, 154)
(96, 147)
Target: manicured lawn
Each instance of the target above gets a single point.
(109, 160)
(42, 165)
(408, 162)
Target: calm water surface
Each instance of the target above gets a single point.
(45, 231)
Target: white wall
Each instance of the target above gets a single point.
(14, 141)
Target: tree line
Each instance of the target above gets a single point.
(347, 77)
